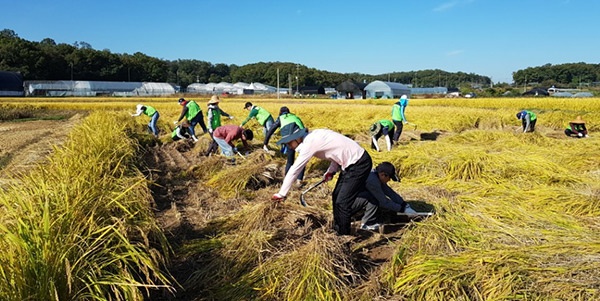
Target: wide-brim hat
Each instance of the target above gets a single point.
(578, 119)
(291, 132)
(389, 169)
(214, 100)
(375, 128)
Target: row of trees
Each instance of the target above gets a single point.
(564, 75)
(48, 60)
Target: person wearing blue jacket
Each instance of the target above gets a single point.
(378, 192)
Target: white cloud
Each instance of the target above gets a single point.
(455, 52)
(449, 5)
(445, 6)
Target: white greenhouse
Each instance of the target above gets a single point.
(238, 88)
(386, 90)
(97, 88)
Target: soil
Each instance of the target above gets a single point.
(184, 205)
(26, 143)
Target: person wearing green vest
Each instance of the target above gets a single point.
(380, 128)
(285, 118)
(528, 120)
(150, 112)
(192, 112)
(263, 116)
(577, 128)
(181, 131)
(213, 115)
(398, 116)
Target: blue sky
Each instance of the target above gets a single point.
(486, 37)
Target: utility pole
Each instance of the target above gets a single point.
(277, 83)
(297, 79)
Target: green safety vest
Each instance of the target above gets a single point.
(288, 118)
(149, 111)
(531, 115)
(262, 115)
(396, 114)
(388, 124)
(216, 118)
(193, 110)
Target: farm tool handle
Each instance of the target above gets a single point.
(302, 201)
(410, 123)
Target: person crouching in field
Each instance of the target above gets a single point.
(342, 152)
(226, 134)
(380, 128)
(214, 114)
(528, 120)
(577, 128)
(150, 112)
(378, 192)
(181, 131)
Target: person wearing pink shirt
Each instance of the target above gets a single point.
(226, 134)
(343, 153)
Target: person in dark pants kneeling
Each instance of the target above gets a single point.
(343, 153)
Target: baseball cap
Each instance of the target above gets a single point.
(389, 169)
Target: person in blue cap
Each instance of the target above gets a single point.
(343, 153)
(528, 120)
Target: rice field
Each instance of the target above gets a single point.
(517, 215)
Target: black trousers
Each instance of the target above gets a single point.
(349, 184)
(399, 125)
(370, 216)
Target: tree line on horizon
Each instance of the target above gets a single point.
(48, 60)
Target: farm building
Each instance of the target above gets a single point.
(312, 90)
(238, 88)
(350, 89)
(386, 90)
(433, 90)
(11, 84)
(536, 92)
(97, 88)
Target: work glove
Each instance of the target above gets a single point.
(235, 150)
(277, 198)
(580, 134)
(175, 122)
(230, 117)
(265, 148)
(210, 131)
(328, 176)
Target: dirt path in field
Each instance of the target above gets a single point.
(185, 205)
(26, 143)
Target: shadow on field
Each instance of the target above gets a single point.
(430, 136)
